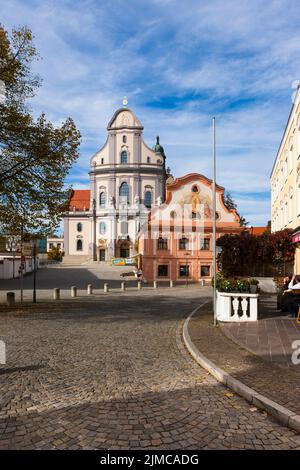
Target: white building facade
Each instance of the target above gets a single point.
(126, 179)
(285, 180)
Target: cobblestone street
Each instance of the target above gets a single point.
(112, 373)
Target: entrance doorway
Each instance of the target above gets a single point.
(101, 255)
(124, 252)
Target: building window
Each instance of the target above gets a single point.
(124, 227)
(102, 199)
(124, 190)
(58, 246)
(162, 244)
(184, 270)
(183, 244)
(124, 157)
(79, 227)
(148, 199)
(124, 139)
(148, 159)
(102, 228)
(205, 244)
(51, 246)
(79, 245)
(102, 161)
(195, 189)
(162, 270)
(205, 270)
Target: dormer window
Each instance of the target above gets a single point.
(124, 158)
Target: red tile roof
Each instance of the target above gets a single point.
(258, 230)
(80, 200)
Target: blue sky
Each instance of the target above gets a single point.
(179, 64)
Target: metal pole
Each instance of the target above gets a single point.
(34, 273)
(186, 269)
(94, 222)
(21, 264)
(214, 223)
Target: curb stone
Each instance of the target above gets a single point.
(282, 414)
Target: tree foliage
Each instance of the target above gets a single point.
(240, 253)
(35, 156)
(230, 204)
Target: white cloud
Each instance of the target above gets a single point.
(179, 63)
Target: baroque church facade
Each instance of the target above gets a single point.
(127, 178)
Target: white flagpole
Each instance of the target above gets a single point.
(214, 270)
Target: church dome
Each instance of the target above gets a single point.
(158, 148)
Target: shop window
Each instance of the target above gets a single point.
(163, 270)
(205, 271)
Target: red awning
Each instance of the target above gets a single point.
(296, 238)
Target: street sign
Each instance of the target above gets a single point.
(27, 249)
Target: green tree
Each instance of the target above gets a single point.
(35, 156)
(55, 254)
(231, 205)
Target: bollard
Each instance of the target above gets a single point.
(139, 285)
(56, 293)
(73, 291)
(171, 283)
(154, 284)
(89, 289)
(105, 287)
(123, 286)
(10, 298)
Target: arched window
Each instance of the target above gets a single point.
(102, 199)
(124, 190)
(124, 139)
(79, 227)
(79, 245)
(124, 157)
(148, 159)
(102, 228)
(148, 199)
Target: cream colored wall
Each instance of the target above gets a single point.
(85, 234)
(285, 178)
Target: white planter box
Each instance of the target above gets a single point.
(237, 307)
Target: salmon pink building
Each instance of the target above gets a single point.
(176, 243)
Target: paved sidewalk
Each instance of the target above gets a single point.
(272, 339)
(279, 384)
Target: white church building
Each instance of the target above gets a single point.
(126, 179)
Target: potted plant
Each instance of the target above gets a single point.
(253, 285)
(242, 285)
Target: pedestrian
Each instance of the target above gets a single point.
(294, 302)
